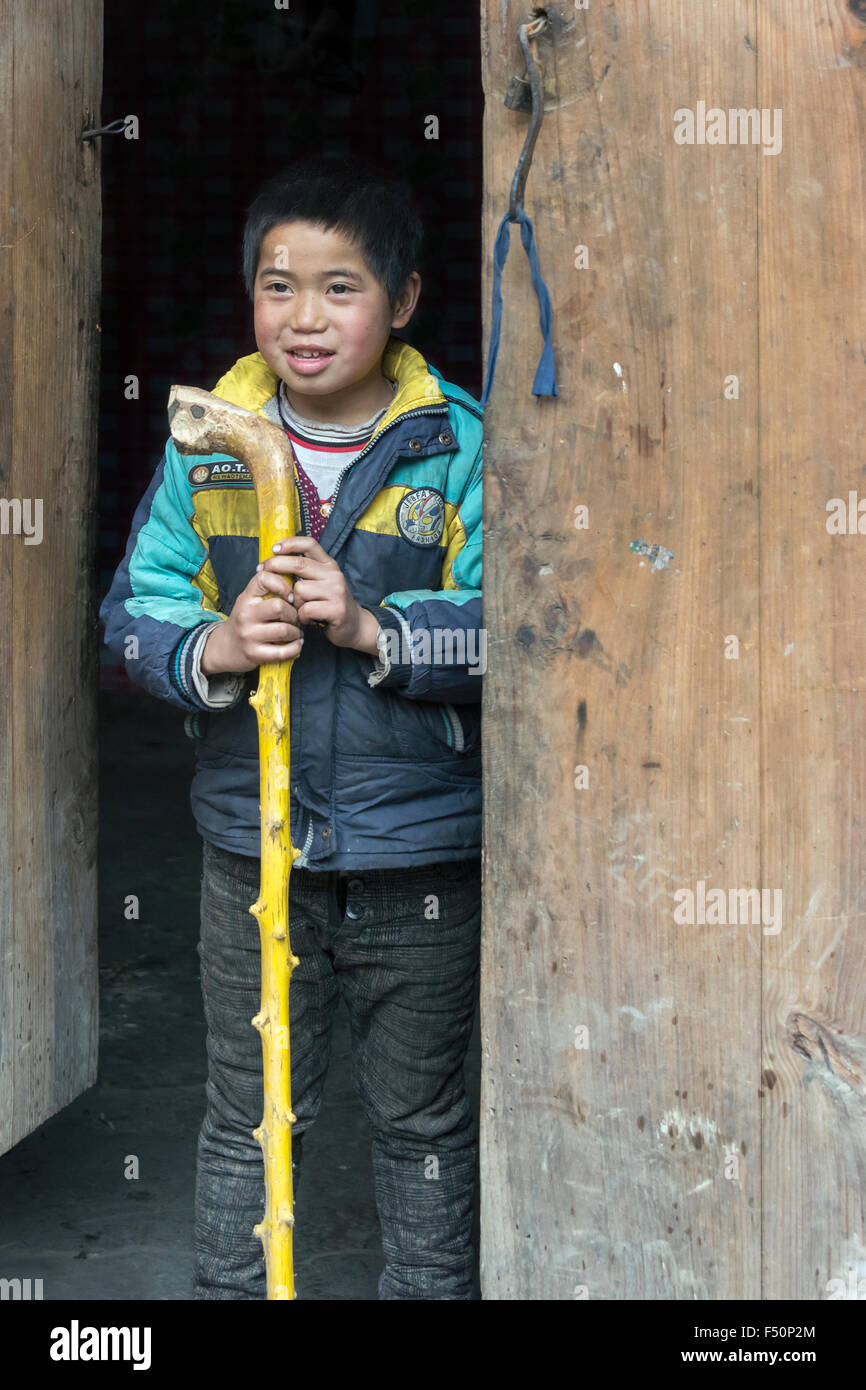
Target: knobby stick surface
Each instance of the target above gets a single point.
(202, 423)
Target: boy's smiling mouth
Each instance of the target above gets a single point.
(307, 360)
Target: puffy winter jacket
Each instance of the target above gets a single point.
(385, 759)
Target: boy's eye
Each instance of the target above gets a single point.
(281, 285)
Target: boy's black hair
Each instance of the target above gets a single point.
(366, 205)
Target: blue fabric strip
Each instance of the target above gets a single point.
(545, 375)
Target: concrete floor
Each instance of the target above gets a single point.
(69, 1216)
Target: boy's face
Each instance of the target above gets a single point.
(313, 290)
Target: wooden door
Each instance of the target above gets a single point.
(674, 1110)
(50, 82)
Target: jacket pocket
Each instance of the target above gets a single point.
(465, 721)
(428, 729)
(455, 731)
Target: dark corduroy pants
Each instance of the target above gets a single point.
(402, 947)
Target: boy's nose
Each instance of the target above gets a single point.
(305, 308)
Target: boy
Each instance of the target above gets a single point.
(384, 623)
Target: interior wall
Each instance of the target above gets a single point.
(226, 92)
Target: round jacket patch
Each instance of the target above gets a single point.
(421, 516)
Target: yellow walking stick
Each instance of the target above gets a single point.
(205, 424)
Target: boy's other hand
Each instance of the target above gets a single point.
(263, 626)
(321, 594)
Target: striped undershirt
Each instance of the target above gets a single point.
(323, 450)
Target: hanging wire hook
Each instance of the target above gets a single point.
(528, 39)
(115, 128)
(545, 373)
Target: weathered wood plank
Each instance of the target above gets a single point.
(812, 65)
(629, 1168)
(50, 77)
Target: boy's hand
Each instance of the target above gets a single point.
(320, 593)
(263, 626)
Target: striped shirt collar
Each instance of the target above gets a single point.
(325, 432)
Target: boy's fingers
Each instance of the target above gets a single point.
(262, 620)
(276, 652)
(268, 583)
(305, 547)
(301, 545)
(279, 629)
(300, 564)
(315, 611)
(287, 632)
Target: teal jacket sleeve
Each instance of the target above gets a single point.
(154, 617)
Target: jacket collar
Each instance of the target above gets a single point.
(251, 383)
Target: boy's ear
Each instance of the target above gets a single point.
(406, 301)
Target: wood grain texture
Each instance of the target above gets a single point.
(692, 1149)
(812, 306)
(50, 79)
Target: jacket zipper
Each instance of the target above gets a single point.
(409, 415)
(301, 861)
(305, 520)
(456, 737)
